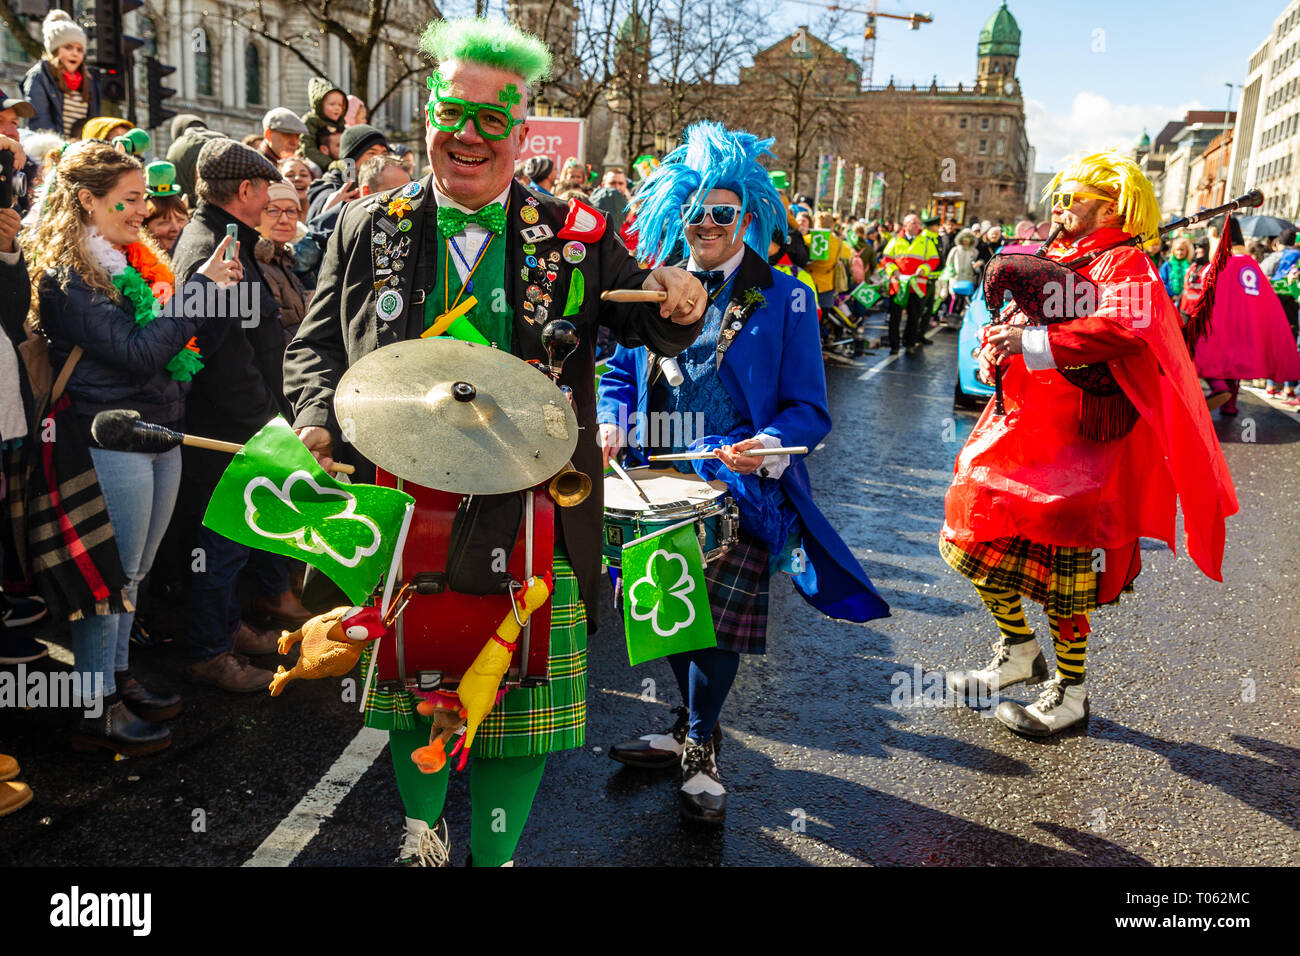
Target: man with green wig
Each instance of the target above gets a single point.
(397, 263)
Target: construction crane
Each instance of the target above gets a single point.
(869, 29)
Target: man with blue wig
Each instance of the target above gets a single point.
(752, 379)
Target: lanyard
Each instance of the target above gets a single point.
(467, 284)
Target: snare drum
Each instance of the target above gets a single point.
(674, 497)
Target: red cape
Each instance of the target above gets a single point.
(1030, 473)
(1249, 336)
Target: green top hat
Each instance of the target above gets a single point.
(160, 179)
(779, 179)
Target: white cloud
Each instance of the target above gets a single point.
(1093, 123)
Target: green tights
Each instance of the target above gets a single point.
(501, 795)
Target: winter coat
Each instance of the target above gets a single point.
(314, 119)
(123, 364)
(961, 259)
(278, 269)
(240, 387)
(41, 89)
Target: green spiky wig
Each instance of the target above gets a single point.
(492, 43)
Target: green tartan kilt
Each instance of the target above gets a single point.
(526, 722)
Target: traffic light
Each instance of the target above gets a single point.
(870, 33)
(154, 73)
(113, 48)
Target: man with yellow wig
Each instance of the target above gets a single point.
(1104, 431)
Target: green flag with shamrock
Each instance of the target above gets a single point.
(866, 294)
(819, 244)
(665, 601)
(275, 497)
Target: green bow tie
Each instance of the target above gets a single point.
(452, 221)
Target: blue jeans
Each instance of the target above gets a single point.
(214, 598)
(140, 493)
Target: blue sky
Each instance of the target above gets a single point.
(1157, 60)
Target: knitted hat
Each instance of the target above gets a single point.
(59, 29)
(357, 139)
(355, 106)
(281, 191)
(537, 168)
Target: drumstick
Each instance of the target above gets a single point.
(633, 295)
(618, 470)
(752, 453)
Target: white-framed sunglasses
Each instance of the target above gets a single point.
(722, 214)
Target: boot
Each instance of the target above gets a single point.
(8, 767)
(1011, 664)
(1059, 706)
(254, 640)
(144, 703)
(231, 672)
(424, 845)
(660, 751)
(120, 731)
(702, 797)
(285, 609)
(14, 796)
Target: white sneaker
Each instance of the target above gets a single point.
(1059, 706)
(1011, 664)
(423, 845)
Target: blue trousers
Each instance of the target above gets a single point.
(214, 598)
(704, 678)
(140, 493)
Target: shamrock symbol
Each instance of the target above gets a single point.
(661, 596)
(436, 82)
(316, 519)
(510, 95)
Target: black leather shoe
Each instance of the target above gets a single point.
(144, 703)
(120, 731)
(702, 797)
(925, 341)
(659, 751)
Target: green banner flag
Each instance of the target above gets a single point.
(665, 600)
(275, 497)
(868, 295)
(819, 244)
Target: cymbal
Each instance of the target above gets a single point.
(456, 416)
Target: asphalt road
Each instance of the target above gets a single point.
(1190, 756)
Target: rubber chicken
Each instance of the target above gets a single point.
(331, 644)
(478, 690)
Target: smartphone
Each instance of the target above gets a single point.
(349, 170)
(232, 233)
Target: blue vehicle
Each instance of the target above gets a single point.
(970, 392)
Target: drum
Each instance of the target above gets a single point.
(674, 497)
(438, 635)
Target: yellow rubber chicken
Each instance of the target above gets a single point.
(478, 688)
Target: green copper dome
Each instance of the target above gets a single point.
(1001, 35)
(1145, 141)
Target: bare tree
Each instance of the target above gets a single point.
(361, 26)
(907, 139)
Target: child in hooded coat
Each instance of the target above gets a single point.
(328, 104)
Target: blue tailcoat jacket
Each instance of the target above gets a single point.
(774, 375)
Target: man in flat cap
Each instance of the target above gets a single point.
(238, 391)
(282, 130)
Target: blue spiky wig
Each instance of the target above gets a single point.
(710, 157)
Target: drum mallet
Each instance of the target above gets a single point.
(120, 429)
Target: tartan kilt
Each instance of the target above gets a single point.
(737, 584)
(1060, 578)
(526, 722)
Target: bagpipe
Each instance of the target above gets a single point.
(1038, 287)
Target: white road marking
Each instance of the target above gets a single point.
(304, 821)
(879, 367)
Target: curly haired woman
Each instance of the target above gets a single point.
(98, 283)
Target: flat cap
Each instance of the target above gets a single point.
(227, 159)
(284, 120)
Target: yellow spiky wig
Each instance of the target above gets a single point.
(1118, 175)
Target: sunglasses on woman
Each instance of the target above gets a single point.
(722, 214)
(448, 114)
(1066, 200)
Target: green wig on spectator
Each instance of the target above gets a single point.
(493, 43)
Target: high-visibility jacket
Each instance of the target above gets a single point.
(912, 260)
